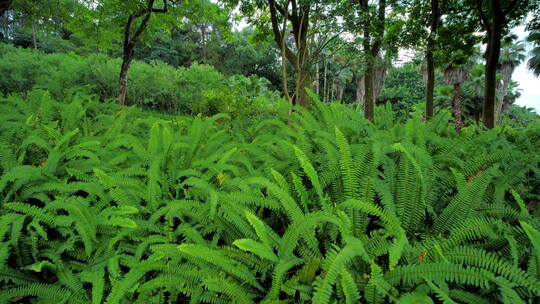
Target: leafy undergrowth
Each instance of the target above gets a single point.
(103, 204)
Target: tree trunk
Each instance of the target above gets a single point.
(430, 86)
(303, 76)
(456, 107)
(372, 51)
(369, 102)
(507, 105)
(368, 84)
(379, 76)
(502, 104)
(360, 90)
(123, 80)
(325, 90)
(284, 64)
(303, 81)
(317, 78)
(493, 50)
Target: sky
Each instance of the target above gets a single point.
(528, 83)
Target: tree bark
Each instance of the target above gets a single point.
(379, 76)
(123, 80)
(429, 58)
(503, 103)
(303, 77)
(493, 52)
(369, 101)
(360, 90)
(456, 107)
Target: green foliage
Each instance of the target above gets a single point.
(152, 86)
(403, 89)
(107, 204)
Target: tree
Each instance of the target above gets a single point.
(496, 17)
(512, 54)
(403, 88)
(455, 75)
(132, 35)
(372, 46)
(109, 22)
(430, 85)
(534, 62)
(451, 31)
(36, 15)
(280, 14)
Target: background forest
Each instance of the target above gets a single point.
(296, 151)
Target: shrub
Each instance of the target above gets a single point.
(156, 86)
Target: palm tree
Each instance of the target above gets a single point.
(455, 75)
(534, 61)
(512, 54)
(474, 87)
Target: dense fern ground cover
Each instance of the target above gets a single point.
(107, 204)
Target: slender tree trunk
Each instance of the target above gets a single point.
(317, 78)
(430, 87)
(123, 80)
(340, 93)
(456, 107)
(283, 61)
(429, 58)
(333, 95)
(325, 79)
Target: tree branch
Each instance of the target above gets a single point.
(483, 18)
(277, 33)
